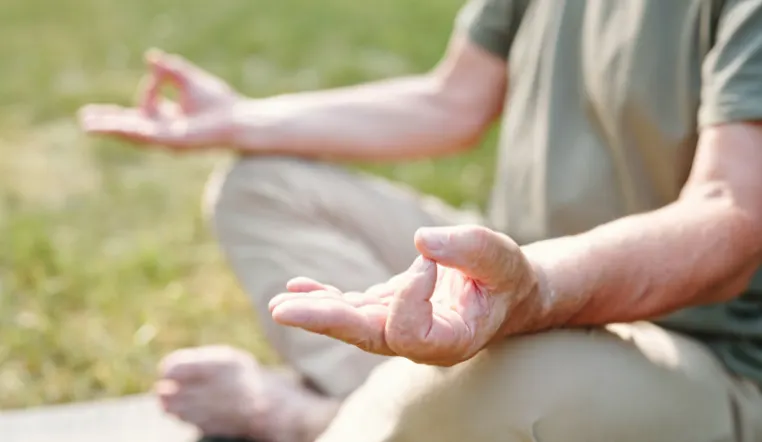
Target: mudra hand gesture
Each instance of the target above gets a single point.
(200, 117)
(469, 286)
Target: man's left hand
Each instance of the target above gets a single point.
(470, 285)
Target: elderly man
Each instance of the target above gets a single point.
(608, 295)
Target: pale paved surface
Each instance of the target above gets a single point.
(131, 419)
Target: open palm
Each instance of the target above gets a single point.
(440, 311)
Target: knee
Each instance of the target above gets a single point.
(509, 388)
(247, 182)
(502, 390)
(549, 386)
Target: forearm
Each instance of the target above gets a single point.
(398, 119)
(695, 251)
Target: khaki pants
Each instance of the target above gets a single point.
(277, 218)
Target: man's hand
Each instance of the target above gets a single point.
(200, 118)
(471, 285)
(437, 113)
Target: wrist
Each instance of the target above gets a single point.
(556, 292)
(534, 309)
(542, 298)
(245, 125)
(563, 289)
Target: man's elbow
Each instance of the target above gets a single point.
(746, 233)
(471, 133)
(467, 125)
(468, 113)
(742, 220)
(744, 209)
(743, 206)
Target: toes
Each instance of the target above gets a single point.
(226, 411)
(166, 387)
(188, 372)
(183, 366)
(186, 406)
(201, 363)
(165, 390)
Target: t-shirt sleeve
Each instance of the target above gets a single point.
(491, 24)
(731, 75)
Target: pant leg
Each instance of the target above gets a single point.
(625, 383)
(277, 218)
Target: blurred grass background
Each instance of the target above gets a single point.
(105, 262)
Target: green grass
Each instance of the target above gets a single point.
(105, 261)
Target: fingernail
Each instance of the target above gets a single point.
(420, 265)
(152, 54)
(433, 241)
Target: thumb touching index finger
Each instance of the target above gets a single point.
(172, 69)
(169, 67)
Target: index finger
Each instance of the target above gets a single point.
(148, 94)
(117, 121)
(330, 315)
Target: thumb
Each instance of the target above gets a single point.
(480, 253)
(170, 67)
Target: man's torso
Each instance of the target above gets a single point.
(600, 123)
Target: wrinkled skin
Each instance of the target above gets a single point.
(462, 293)
(470, 286)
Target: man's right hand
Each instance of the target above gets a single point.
(441, 112)
(201, 116)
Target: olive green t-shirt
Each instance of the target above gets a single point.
(605, 101)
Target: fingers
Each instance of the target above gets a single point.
(335, 317)
(135, 126)
(411, 313)
(165, 68)
(116, 120)
(303, 284)
(196, 86)
(353, 299)
(384, 291)
(172, 67)
(480, 253)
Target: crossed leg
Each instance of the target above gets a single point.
(625, 383)
(277, 218)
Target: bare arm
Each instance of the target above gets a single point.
(444, 111)
(701, 249)
(440, 112)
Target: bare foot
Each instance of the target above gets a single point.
(224, 392)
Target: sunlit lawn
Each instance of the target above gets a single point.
(105, 261)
